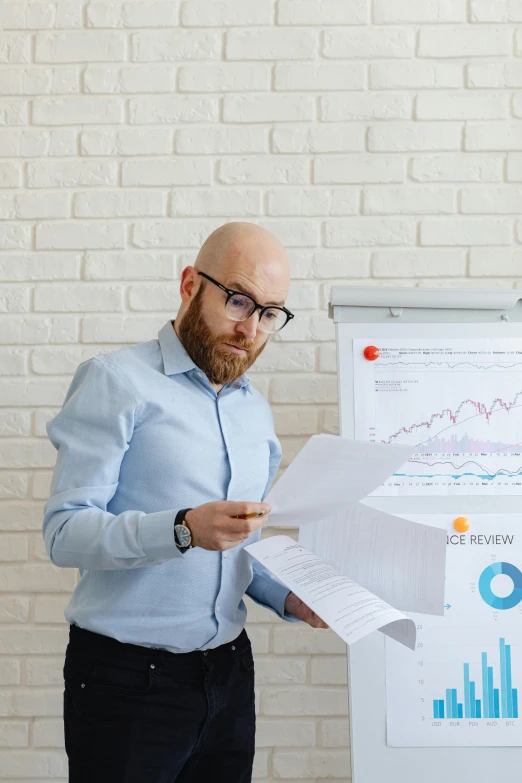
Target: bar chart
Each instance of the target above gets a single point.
(462, 685)
(499, 702)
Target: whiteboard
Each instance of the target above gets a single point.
(370, 313)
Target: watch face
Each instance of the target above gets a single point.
(182, 535)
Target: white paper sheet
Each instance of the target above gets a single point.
(350, 610)
(402, 562)
(330, 474)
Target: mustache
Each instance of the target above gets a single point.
(247, 345)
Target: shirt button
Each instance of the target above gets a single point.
(205, 652)
(153, 666)
(225, 554)
(218, 608)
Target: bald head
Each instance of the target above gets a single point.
(240, 242)
(245, 257)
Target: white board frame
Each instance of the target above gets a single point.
(373, 313)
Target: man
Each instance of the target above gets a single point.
(165, 454)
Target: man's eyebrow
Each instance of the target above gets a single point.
(238, 287)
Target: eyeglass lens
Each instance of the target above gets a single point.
(239, 308)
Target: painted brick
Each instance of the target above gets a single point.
(461, 105)
(323, 137)
(368, 43)
(419, 263)
(273, 44)
(378, 141)
(322, 12)
(146, 14)
(175, 45)
(458, 168)
(408, 201)
(79, 47)
(227, 13)
(355, 169)
(366, 106)
(464, 41)
(401, 75)
(465, 232)
(496, 11)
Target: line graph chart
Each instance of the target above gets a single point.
(463, 414)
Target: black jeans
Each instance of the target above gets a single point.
(139, 715)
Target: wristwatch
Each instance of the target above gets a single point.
(182, 535)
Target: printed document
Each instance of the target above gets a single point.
(350, 610)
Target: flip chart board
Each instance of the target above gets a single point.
(437, 344)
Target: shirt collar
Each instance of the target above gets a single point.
(176, 360)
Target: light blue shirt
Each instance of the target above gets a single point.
(141, 435)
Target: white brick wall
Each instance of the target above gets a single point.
(380, 140)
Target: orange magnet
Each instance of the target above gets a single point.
(371, 353)
(461, 524)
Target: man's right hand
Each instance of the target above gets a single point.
(215, 526)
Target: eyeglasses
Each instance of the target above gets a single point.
(240, 306)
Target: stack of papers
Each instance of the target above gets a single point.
(357, 568)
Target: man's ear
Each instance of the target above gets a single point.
(189, 285)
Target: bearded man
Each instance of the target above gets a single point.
(165, 455)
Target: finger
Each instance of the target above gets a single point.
(320, 623)
(314, 620)
(242, 528)
(305, 614)
(246, 508)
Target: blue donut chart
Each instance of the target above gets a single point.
(487, 576)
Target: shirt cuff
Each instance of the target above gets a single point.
(272, 594)
(157, 535)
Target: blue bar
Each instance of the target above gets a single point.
(503, 683)
(491, 695)
(473, 706)
(435, 708)
(496, 704)
(454, 709)
(467, 710)
(485, 697)
(508, 682)
(477, 709)
(514, 695)
(459, 711)
(441, 708)
(449, 713)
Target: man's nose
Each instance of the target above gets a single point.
(249, 327)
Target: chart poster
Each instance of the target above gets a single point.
(463, 684)
(458, 401)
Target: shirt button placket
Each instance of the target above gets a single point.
(222, 428)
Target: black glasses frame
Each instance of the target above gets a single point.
(230, 293)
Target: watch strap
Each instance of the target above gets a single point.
(180, 516)
(180, 520)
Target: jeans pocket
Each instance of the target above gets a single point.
(246, 659)
(107, 676)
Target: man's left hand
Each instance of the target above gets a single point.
(295, 607)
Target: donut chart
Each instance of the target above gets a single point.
(487, 576)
